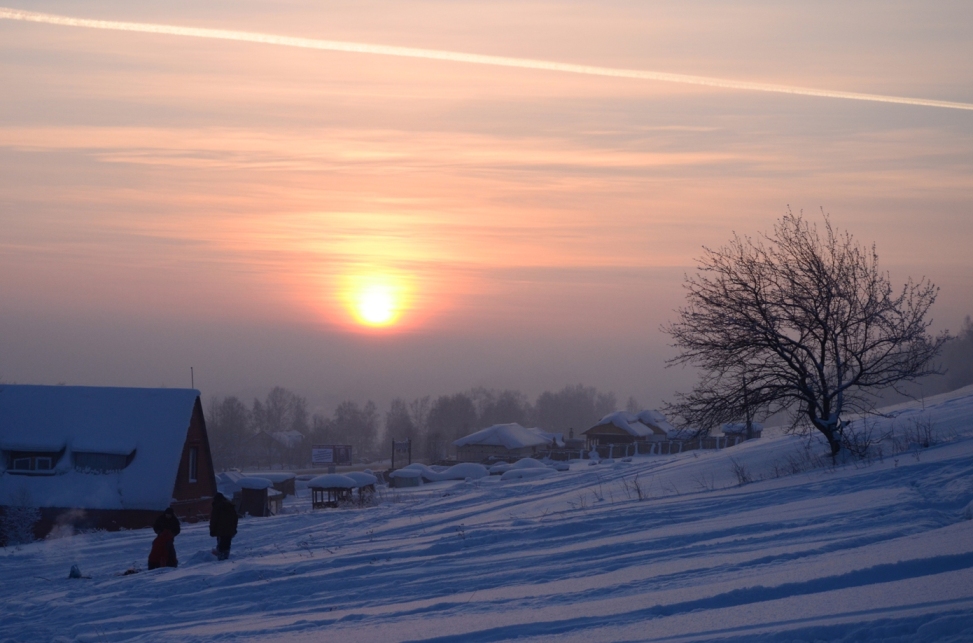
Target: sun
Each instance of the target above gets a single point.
(376, 300)
(376, 305)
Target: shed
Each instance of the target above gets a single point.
(120, 455)
(258, 497)
(401, 478)
(506, 441)
(330, 489)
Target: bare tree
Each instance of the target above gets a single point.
(802, 322)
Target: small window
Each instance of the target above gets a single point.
(193, 460)
(32, 463)
(87, 462)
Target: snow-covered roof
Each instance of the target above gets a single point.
(148, 426)
(332, 481)
(510, 436)
(640, 425)
(228, 482)
(654, 419)
(627, 422)
(254, 482)
(361, 478)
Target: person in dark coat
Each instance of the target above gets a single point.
(222, 525)
(167, 528)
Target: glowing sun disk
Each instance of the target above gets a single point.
(376, 305)
(376, 300)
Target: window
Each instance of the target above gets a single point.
(91, 462)
(193, 461)
(31, 463)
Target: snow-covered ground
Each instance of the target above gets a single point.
(880, 550)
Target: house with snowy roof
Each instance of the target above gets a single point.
(104, 458)
(623, 427)
(505, 442)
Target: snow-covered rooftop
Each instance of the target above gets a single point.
(641, 424)
(510, 436)
(147, 426)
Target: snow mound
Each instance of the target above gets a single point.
(528, 463)
(406, 473)
(463, 471)
(499, 468)
(460, 471)
(527, 474)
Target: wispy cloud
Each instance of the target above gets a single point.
(464, 57)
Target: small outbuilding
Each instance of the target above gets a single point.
(258, 497)
(505, 442)
(104, 458)
(330, 489)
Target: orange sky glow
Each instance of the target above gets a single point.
(355, 226)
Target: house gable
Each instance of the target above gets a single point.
(195, 485)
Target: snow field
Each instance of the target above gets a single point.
(874, 550)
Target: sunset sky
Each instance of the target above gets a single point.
(354, 226)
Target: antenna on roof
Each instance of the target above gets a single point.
(192, 378)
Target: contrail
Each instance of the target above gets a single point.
(461, 57)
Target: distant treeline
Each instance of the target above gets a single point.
(240, 433)
(265, 433)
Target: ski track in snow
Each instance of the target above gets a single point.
(859, 552)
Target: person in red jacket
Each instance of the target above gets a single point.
(161, 547)
(222, 525)
(167, 521)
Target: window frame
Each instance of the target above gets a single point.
(193, 464)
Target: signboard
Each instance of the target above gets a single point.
(402, 450)
(331, 454)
